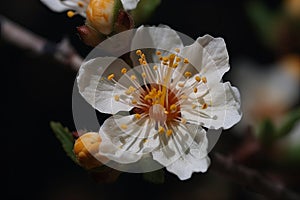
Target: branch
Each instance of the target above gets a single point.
(251, 178)
(63, 52)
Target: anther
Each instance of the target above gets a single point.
(185, 61)
(187, 74)
(137, 116)
(70, 14)
(123, 126)
(138, 52)
(161, 129)
(123, 70)
(117, 98)
(111, 77)
(169, 132)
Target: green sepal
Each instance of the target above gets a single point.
(65, 137)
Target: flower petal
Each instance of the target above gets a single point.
(160, 38)
(55, 5)
(129, 4)
(194, 159)
(174, 146)
(128, 137)
(223, 111)
(208, 56)
(187, 164)
(97, 90)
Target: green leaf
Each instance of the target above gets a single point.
(144, 10)
(266, 131)
(65, 137)
(156, 177)
(289, 123)
(264, 20)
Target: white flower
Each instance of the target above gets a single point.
(169, 101)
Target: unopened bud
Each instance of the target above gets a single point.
(86, 149)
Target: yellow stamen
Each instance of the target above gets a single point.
(138, 52)
(117, 98)
(204, 106)
(195, 90)
(147, 97)
(183, 97)
(177, 50)
(173, 107)
(123, 70)
(178, 59)
(155, 67)
(141, 61)
(143, 56)
(185, 61)
(181, 84)
(70, 14)
(158, 53)
(169, 132)
(144, 62)
(134, 101)
(144, 75)
(197, 78)
(124, 126)
(194, 106)
(161, 129)
(183, 121)
(204, 80)
(187, 74)
(171, 60)
(133, 77)
(175, 65)
(165, 59)
(111, 77)
(80, 4)
(137, 116)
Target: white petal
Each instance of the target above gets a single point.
(55, 5)
(137, 139)
(96, 89)
(129, 4)
(109, 150)
(209, 57)
(193, 160)
(160, 38)
(224, 108)
(174, 146)
(185, 166)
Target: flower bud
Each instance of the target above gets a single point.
(86, 149)
(101, 14)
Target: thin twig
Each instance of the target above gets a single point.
(63, 52)
(251, 179)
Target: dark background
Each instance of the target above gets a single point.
(37, 90)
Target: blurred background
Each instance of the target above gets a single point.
(263, 41)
